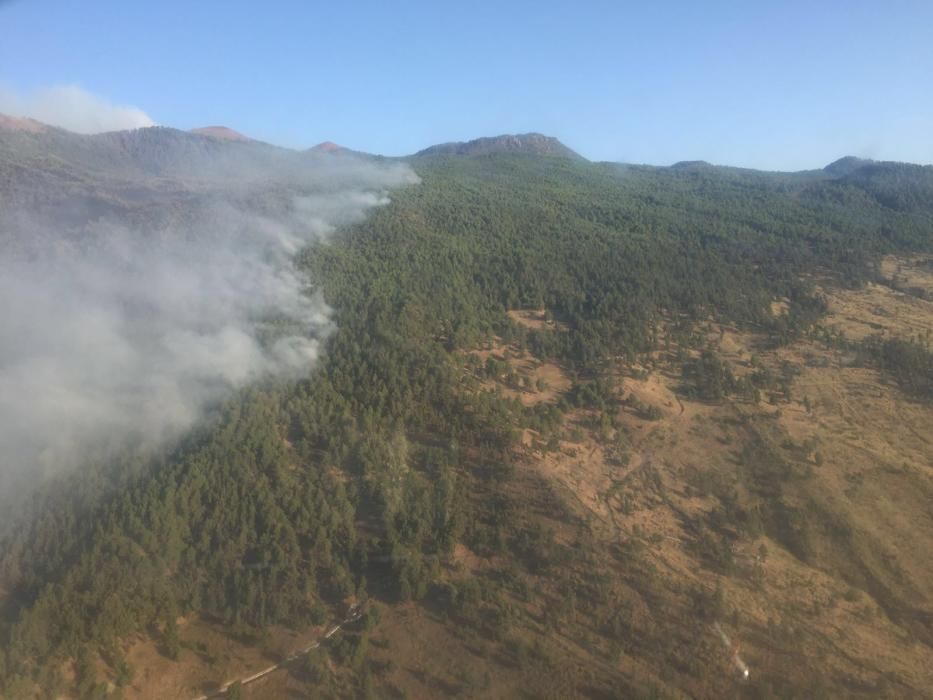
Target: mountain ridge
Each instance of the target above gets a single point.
(11, 123)
(531, 143)
(225, 133)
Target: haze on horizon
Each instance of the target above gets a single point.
(782, 88)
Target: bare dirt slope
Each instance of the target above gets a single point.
(810, 512)
(796, 517)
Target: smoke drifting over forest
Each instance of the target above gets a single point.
(73, 108)
(126, 326)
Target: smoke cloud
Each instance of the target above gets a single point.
(73, 108)
(112, 333)
(737, 661)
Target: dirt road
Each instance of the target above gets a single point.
(353, 616)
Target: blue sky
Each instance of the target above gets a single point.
(782, 85)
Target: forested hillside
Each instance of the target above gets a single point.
(363, 479)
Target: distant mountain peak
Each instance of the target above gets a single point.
(846, 165)
(328, 147)
(692, 164)
(531, 143)
(21, 124)
(221, 132)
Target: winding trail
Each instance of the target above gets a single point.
(353, 616)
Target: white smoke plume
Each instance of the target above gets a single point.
(110, 333)
(737, 661)
(73, 108)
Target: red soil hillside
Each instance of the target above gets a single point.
(220, 132)
(21, 124)
(328, 147)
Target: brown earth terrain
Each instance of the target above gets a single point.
(857, 595)
(21, 124)
(209, 658)
(328, 147)
(224, 133)
(797, 520)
